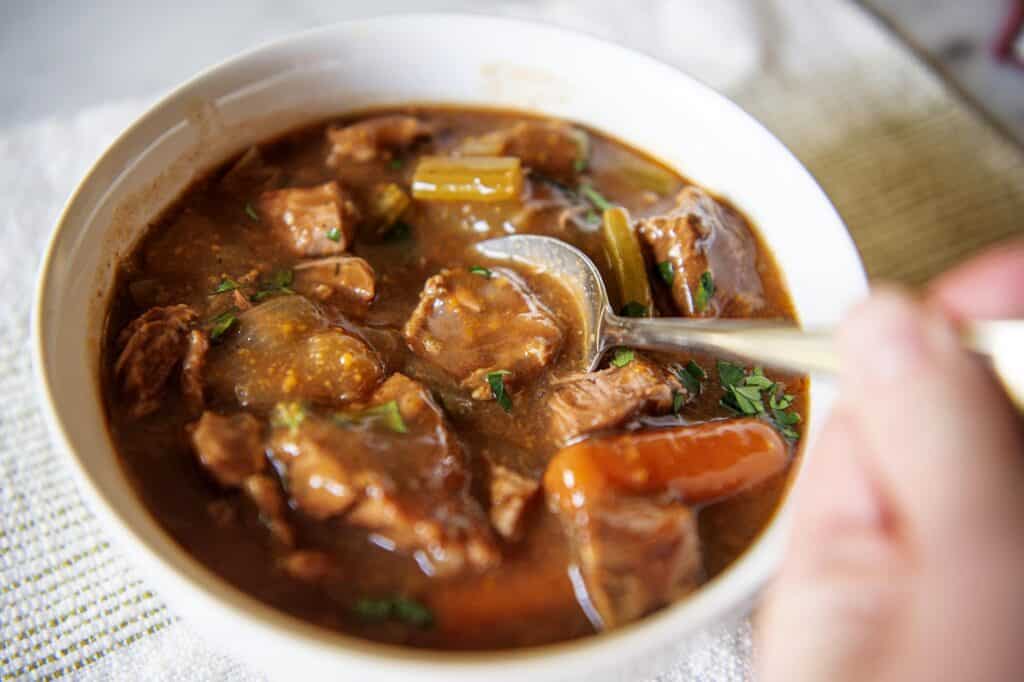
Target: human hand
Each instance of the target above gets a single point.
(907, 555)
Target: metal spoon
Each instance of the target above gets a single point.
(777, 344)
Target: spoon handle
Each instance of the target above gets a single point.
(786, 347)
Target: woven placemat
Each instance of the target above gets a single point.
(920, 180)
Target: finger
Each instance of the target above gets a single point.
(938, 431)
(990, 286)
(832, 607)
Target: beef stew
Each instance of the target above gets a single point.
(330, 399)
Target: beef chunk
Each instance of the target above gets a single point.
(374, 138)
(409, 486)
(511, 496)
(230, 448)
(151, 347)
(307, 565)
(471, 324)
(319, 483)
(346, 281)
(636, 555)
(265, 493)
(593, 401)
(313, 221)
(554, 148)
(284, 349)
(192, 370)
(700, 236)
(249, 172)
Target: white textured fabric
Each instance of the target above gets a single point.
(907, 165)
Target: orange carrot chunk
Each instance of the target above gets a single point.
(700, 463)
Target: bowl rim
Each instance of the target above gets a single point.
(734, 587)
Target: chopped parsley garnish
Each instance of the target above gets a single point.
(729, 374)
(387, 414)
(334, 234)
(690, 376)
(480, 270)
(582, 159)
(678, 398)
(623, 356)
(290, 414)
(222, 323)
(280, 282)
(250, 211)
(705, 290)
(401, 609)
(496, 380)
(696, 371)
(396, 164)
(400, 231)
(667, 272)
(595, 197)
(633, 309)
(747, 393)
(227, 284)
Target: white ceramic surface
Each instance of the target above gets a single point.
(457, 59)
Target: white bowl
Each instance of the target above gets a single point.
(471, 60)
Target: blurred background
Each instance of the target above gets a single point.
(65, 55)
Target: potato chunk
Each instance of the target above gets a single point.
(285, 350)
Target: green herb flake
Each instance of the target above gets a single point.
(250, 211)
(288, 415)
(399, 232)
(595, 197)
(396, 164)
(386, 414)
(390, 415)
(667, 272)
(749, 399)
(373, 610)
(282, 279)
(759, 380)
(334, 234)
(696, 371)
(623, 356)
(592, 218)
(705, 290)
(689, 382)
(401, 609)
(582, 159)
(678, 399)
(496, 380)
(227, 284)
(480, 270)
(729, 374)
(412, 612)
(222, 323)
(633, 309)
(280, 282)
